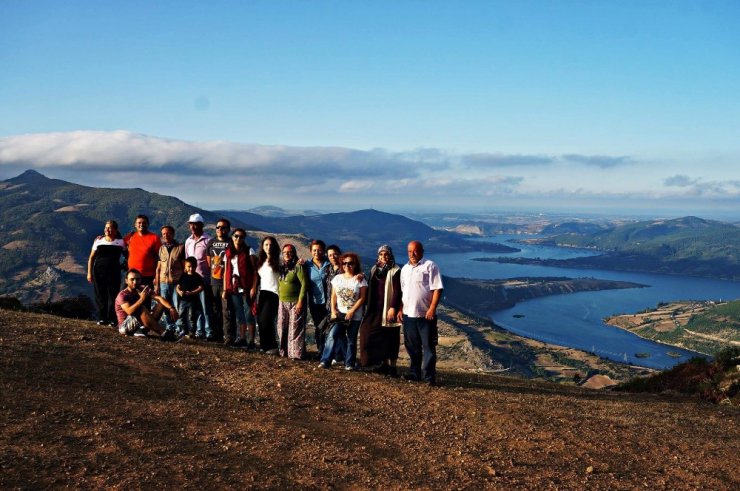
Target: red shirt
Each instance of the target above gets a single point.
(143, 252)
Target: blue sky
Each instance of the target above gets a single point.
(577, 105)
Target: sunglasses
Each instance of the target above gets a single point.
(238, 236)
(348, 263)
(220, 227)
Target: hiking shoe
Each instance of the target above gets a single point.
(349, 368)
(102, 323)
(324, 365)
(140, 333)
(169, 336)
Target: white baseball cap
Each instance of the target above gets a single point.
(195, 218)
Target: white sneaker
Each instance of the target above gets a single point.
(140, 333)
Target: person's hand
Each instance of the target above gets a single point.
(399, 316)
(390, 315)
(334, 314)
(223, 294)
(173, 314)
(253, 293)
(146, 292)
(299, 307)
(431, 314)
(348, 315)
(89, 278)
(156, 288)
(359, 276)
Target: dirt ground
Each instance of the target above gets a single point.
(82, 407)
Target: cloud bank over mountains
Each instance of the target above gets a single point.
(223, 173)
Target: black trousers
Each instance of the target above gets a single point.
(318, 313)
(107, 285)
(267, 310)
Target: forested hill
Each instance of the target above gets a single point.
(49, 222)
(688, 245)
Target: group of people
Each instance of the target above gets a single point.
(219, 289)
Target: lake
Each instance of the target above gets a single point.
(575, 320)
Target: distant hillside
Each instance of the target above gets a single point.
(276, 211)
(689, 246)
(706, 327)
(365, 230)
(49, 222)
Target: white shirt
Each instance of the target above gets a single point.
(268, 278)
(417, 284)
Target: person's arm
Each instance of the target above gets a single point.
(167, 305)
(255, 276)
(395, 301)
(358, 304)
(90, 261)
(144, 296)
(156, 276)
(301, 275)
(334, 313)
(432, 311)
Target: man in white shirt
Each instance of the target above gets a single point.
(421, 287)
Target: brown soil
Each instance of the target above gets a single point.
(84, 407)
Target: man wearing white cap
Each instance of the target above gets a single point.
(197, 246)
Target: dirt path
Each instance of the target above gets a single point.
(83, 407)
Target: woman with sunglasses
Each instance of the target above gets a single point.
(240, 286)
(380, 332)
(292, 288)
(347, 298)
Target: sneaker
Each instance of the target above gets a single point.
(102, 323)
(239, 343)
(113, 324)
(273, 351)
(200, 336)
(140, 333)
(349, 368)
(324, 365)
(169, 336)
(410, 377)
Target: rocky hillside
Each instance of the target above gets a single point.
(85, 408)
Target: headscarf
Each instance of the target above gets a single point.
(381, 270)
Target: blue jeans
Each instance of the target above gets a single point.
(187, 308)
(203, 324)
(420, 340)
(342, 336)
(167, 291)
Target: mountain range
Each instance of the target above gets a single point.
(47, 227)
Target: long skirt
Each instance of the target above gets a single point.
(378, 343)
(291, 330)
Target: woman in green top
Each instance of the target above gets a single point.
(291, 321)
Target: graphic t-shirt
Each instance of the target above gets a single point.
(347, 291)
(216, 252)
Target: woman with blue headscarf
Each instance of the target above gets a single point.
(380, 332)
